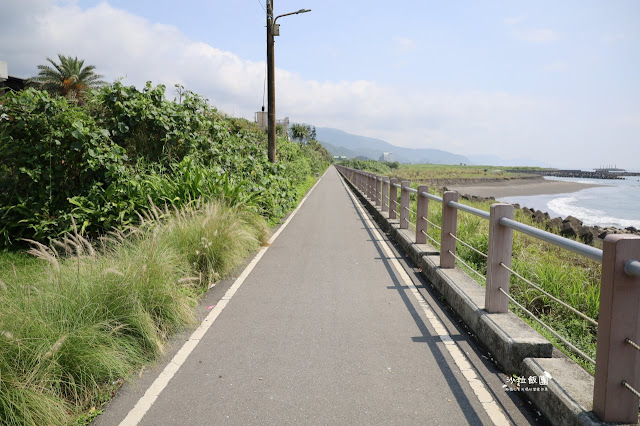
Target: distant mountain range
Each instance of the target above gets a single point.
(338, 142)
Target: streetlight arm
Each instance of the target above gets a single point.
(291, 13)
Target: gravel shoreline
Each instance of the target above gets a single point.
(520, 187)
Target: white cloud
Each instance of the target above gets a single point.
(612, 38)
(404, 44)
(121, 44)
(514, 20)
(541, 35)
(557, 66)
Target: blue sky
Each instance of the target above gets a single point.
(556, 82)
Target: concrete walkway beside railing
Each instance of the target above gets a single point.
(330, 326)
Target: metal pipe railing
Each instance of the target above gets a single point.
(632, 268)
(571, 245)
(617, 375)
(481, 213)
(431, 196)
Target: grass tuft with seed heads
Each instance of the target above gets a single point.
(78, 317)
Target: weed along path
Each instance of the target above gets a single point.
(330, 326)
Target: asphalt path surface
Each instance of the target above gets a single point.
(324, 331)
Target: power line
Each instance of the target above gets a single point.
(260, 3)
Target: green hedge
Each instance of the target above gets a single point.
(100, 163)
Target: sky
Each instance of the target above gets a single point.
(555, 82)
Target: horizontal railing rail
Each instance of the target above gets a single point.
(571, 245)
(469, 209)
(617, 366)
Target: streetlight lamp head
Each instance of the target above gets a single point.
(303, 11)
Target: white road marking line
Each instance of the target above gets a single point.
(479, 389)
(144, 404)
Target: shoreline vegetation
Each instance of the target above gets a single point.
(563, 274)
(131, 206)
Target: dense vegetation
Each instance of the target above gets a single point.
(439, 172)
(101, 162)
(372, 166)
(133, 207)
(565, 275)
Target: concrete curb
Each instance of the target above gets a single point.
(517, 347)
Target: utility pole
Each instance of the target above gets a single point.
(271, 86)
(271, 76)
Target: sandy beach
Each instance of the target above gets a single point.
(520, 187)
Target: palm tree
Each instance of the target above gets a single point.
(300, 132)
(69, 78)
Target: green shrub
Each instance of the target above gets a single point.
(102, 162)
(372, 166)
(51, 151)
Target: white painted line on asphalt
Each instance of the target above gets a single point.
(144, 404)
(479, 389)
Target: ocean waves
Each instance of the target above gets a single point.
(615, 205)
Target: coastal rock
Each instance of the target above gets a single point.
(632, 229)
(609, 231)
(587, 234)
(526, 210)
(568, 230)
(539, 217)
(574, 221)
(554, 224)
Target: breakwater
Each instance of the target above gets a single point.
(579, 174)
(570, 227)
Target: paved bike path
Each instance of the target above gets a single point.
(322, 331)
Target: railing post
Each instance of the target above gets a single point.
(405, 198)
(385, 194)
(365, 182)
(449, 226)
(500, 245)
(618, 320)
(370, 186)
(378, 190)
(422, 211)
(393, 198)
(372, 182)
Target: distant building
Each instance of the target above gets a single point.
(9, 82)
(386, 157)
(285, 125)
(260, 118)
(339, 157)
(609, 169)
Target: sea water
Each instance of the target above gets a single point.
(617, 203)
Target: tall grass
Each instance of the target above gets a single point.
(94, 313)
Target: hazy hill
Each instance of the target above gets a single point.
(339, 150)
(373, 148)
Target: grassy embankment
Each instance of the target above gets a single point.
(96, 304)
(567, 276)
(439, 172)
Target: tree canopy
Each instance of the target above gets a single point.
(70, 78)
